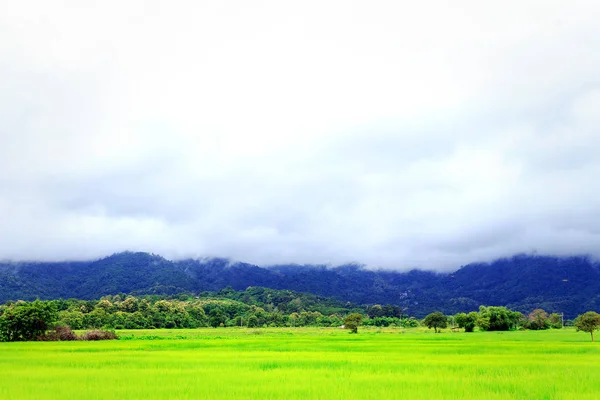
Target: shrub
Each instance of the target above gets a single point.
(98, 334)
(62, 333)
(65, 333)
(409, 322)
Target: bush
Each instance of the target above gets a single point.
(65, 333)
(98, 334)
(409, 322)
(62, 333)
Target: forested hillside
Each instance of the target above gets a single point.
(569, 285)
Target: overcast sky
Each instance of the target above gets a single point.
(395, 134)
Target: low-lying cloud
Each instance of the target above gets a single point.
(397, 135)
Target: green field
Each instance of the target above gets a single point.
(306, 363)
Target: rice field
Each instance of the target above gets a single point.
(306, 363)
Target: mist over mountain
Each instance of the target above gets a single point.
(399, 134)
(558, 284)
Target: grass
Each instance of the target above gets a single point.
(306, 363)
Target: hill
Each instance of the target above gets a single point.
(570, 285)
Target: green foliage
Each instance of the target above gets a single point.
(225, 308)
(252, 321)
(588, 322)
(467, 321)
(494, 318)
(389, 311)
(188, 311)
(26, 321)
(411, 322)
(352, 322)
(538, 320)
(483, 323)
(436, 320)
(383, 322)
(254, 307)
(555, 321)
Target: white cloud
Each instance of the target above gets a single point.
(396, 134)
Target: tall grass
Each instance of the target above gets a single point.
(306, 364)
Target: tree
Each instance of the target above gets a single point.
(495, 318)
(27, 321)
(538, 319)
(435, 320)
(376, 311)
(466, 321)
(555, 320)
(216, 318)
(352, 322)
(252, 321)
(588, 322)
(197, 314)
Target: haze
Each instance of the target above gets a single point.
(394, 134)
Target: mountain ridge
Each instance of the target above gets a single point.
(523, 282)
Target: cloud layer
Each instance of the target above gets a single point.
(393, 134)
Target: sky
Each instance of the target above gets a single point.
(394, 134)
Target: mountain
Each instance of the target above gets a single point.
(570, 285)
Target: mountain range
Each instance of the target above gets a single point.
(569, 285)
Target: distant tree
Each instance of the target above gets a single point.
(96, 319)
(252, 321)
(105, 304)
(216, 318)
(409, 322)
(435, 320)
(538, 319)
(392, 311)
(72, 319)
(495, 318)
(466, 321)
(293, 319)
(130, 304)
(197, 314)
(555, 320)
(352, 322)
(26, 321)
(483, 323)
(376, 311)
(588, 322)
(519, 319)
(335, 320)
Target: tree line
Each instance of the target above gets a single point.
(495, 318)
(254, 307)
